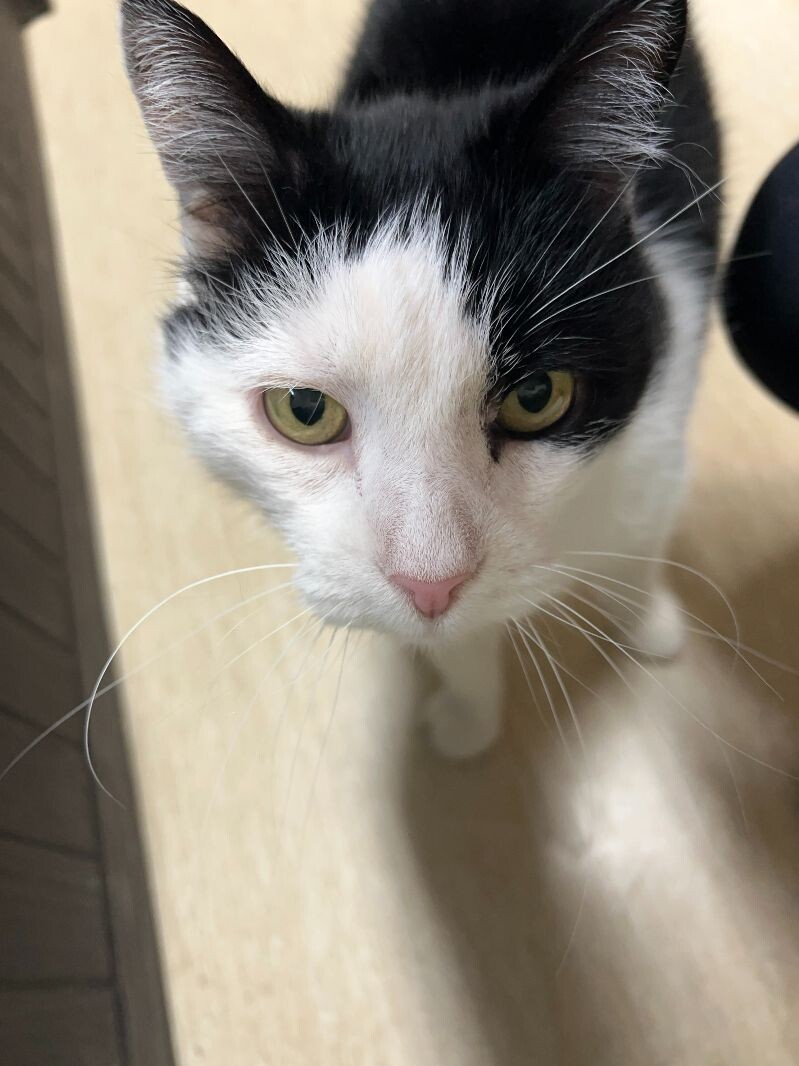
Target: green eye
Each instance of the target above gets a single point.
(538, 403)
(305, 416)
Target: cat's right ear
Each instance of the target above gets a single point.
(598, 109)
(220, 137)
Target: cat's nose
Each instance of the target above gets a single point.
(431, 598)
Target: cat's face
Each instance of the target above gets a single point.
(415, 352)
(419, 483)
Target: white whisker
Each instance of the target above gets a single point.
(691, 714)
(710, 631)
(678, 566)
(575, 927)
(279, 206)
(724, 752)
(547, 692)
(591, 796)
(553, 667)
(282, 717)
(563, 669)
(539, 323)
(580, 247)
(133, 629)
(560, 233)
(620, 255)
(251, 614)
(125, 677)
(523, 665)
(599, 649)
(246, 196)
(301, 734)
(245, 714)
(325, 738)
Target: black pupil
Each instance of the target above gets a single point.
(535, 393)
(307, 405)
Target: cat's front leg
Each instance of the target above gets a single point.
(648, 614)
(464, 710)
(660, 630)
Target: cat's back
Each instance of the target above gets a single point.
(444, 46)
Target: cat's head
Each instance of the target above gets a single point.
(412, 327)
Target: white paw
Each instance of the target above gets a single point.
(460, 730)
(661, 633)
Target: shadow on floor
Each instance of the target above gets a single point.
(665, 858)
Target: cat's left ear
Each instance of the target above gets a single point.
(599, 106)
(222, 140)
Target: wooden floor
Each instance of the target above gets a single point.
(329, 893)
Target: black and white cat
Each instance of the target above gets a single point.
(445, 333)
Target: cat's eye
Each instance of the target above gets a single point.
(538, 403)
(306, 416)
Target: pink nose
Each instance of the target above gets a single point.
(431, 598)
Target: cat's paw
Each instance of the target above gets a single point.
(661, 632)
(460, 730)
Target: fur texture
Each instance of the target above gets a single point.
(499, 189)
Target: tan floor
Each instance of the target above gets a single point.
(362, 903)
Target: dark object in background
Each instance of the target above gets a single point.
(762, 285)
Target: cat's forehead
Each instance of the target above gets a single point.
(391, 316)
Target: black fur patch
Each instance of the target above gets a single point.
(479, 110)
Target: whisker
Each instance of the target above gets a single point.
(620, 255)
(250, 647)
(547, 693)
(575, 927)
(538, 324)
(564, 669)
(580, 247)
(723, 750)
(599, 649)
(251, 614)
(710, 631)
(301, 733)
(279, 206)
(213, 280)
(523, 665)
(245, 714)
(736, 789)
(144, 618)
(602, 636)
(573, 714)
(560, 233)
(282, 717)
(612, 618)
(678, 566)
(691, 714)
(601, 652)
(121, 680)
(588, 783)
(325, 737)
(247, 197)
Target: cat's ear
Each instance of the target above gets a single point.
(220, 137)
(599, 106)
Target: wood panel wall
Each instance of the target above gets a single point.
(79, 976)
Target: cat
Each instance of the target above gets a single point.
(446, 333)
